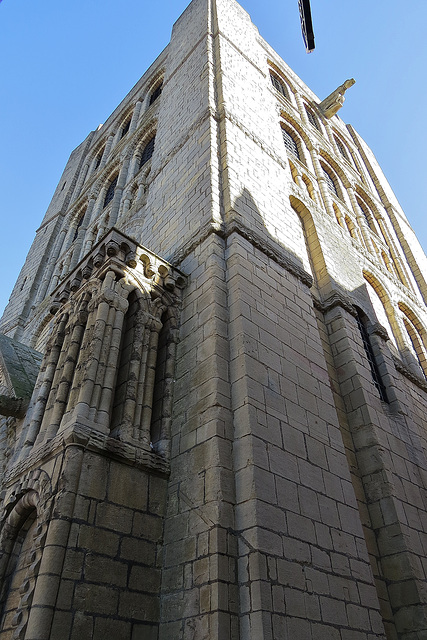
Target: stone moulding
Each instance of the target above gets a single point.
(120, 294)
(235, 226)
(336, 299)
(417, 380)
(32, 493)
(120, 253)
(85, 436)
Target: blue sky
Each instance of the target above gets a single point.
(66, 66)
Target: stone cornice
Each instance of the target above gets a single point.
(336, 299)
(235, 226)
(90, 439)
(120, 253)
(405, 371)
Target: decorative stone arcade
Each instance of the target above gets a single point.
(97, 432)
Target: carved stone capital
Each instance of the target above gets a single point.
(379, 330)
(337, 299)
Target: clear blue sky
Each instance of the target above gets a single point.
(66, 66)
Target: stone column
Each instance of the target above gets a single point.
(50, 280)
(121, 182)
(132, 410)
(44, 384)
(147, 408)
(135, 116)
(108, 313)
(79, 247)
(107, 150)
(80, 181)
(363, 225)
(327, 200)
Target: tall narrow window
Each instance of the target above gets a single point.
(125, 128)
(415, 337)
(147, 152)
(290, 143)
(156, 93)
(98, 159)
(342, 149)
(376, 376)
(110, 191)
(279, 85)
(311, 118)
(330, 182)
(79, 224)
(364, 211)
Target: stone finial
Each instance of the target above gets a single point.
(330, 105)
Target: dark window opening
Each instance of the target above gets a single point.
(330, 182)
(79, 224)
(312, 120)
(367, 217)
(279, 85)
(98, 159)
(125, 128)
(147, 152)
(290, 143)
(376, 376)
(342, 149)
(156, 93)
(110, 191)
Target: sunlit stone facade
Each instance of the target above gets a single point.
(213, 370)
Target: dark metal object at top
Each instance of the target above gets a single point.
(306, 24)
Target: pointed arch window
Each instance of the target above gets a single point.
(290, 143)
(110, 191)
(147, 152)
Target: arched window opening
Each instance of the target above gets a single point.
(342, 149)
(367, 215)
(417, 346)
(362, 323)
(416, 336)
(155, 94)
(330, 181)
(279, 85)
(381, 305)
(312, 118)
(78, 225)
(290, 143)
(125, 128)
(110, 191)
(20, 560)
(98, 159)
(147, 152)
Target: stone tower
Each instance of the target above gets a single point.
(212, 370)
